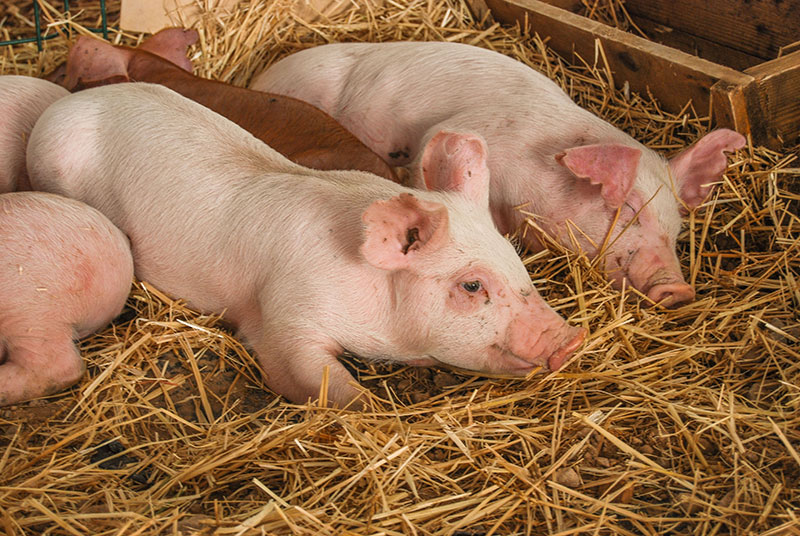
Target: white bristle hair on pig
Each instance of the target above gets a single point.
(583, 179)
(305, 264)
(22, 101)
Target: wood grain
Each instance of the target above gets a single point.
(755, 27)
(674, 77)
(777, 87)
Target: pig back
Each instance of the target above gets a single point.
(397, 96)
(63, 261)
(210, 210)
(301, 132)
(22, 101)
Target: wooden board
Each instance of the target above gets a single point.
(672, 76)
(661, 26)
(696, 46)
(762, 101)
(777, 88)
(755, 27)
(152, 15)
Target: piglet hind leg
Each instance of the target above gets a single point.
(296, 371)
(34, 367)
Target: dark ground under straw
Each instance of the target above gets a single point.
(667, 422)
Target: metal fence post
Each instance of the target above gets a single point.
(40, 39)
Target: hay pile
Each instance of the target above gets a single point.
(666, 422)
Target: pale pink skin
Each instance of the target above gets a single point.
(304, 263)
(22, 101)
(304, 134)
(65, 273)
(397, 96)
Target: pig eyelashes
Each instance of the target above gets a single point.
(471, 286)
(468, 296)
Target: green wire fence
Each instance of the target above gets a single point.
(40, 38)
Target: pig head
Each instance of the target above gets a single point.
(642, 196)
(489, 316)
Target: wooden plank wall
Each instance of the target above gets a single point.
(762, 101)
(674, 77)
(776, 86)
(736, 33)
(758, 28)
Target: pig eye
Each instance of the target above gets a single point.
(471, 286)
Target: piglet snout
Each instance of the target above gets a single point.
(535, 344)
(672, 294)
(560, 356)
(669, 290)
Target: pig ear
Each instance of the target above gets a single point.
(456, 162)
(401, 229)
(92, 61)
(172, 45)
(611, 166)
(703, 163)
(57, 75)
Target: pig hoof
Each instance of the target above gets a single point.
(561, 355)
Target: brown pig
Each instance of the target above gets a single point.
(301, 132)
(65, 273)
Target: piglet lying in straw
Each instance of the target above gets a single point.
(297, 130)
(22, 101)
(584, 181)
(65, 273)
(305, 263)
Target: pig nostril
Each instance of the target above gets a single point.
(560, 356)
(671, 295)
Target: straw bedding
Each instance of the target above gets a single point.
(681, 421)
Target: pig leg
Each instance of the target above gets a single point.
(295, 370)
(36, 367)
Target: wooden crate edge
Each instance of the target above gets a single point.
(672, 76)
